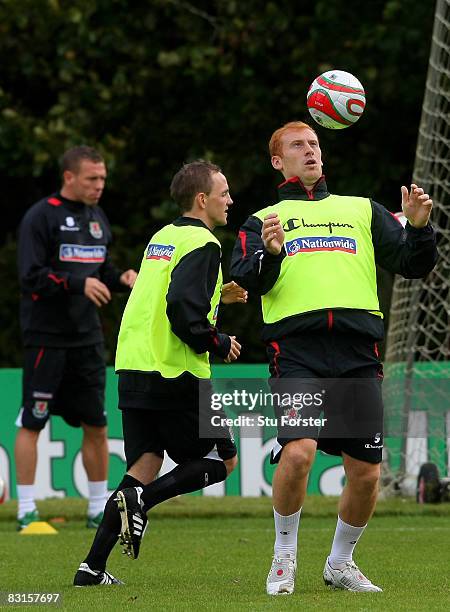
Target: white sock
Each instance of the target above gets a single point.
(286, 529)
(97, 496)
(345, 539)
(25, 494)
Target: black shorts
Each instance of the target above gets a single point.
(344, 371)
(172, 425)
(69, 382)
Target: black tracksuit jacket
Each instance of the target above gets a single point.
(407, 251)
(61, 243)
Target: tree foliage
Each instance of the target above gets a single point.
(158, 82)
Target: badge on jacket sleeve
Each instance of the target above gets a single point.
(95, 229)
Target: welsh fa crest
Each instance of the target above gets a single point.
(95, 229)
(291, 412)
(40, 410)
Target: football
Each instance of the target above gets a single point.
(2, 490)
(336, 99)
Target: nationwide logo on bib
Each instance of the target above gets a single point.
(312, 244)
(160, 251)
(80, 253)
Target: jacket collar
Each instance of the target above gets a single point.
(185, 220)
(76, 207)
(294, 189)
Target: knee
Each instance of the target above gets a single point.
(146, 468)
(94, 434)
(366, 479)
(29, 435)
(230, 464)
(299, 456)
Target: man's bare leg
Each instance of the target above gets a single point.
(25, 453)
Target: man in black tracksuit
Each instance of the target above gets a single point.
(312, 259)
(65, 274)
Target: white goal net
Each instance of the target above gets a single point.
(417, 364)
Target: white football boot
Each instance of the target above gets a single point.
(349, 578)
(281, 578)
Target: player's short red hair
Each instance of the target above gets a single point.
(275, 140)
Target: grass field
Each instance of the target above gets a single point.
(214, 554)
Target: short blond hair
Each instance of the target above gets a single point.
(275, 140)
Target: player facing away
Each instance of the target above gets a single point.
(312, 259)
(167, 332)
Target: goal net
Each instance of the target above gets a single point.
(417, 363)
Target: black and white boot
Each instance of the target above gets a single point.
(134, 520)
(86, 576)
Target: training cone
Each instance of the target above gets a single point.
(38, 528)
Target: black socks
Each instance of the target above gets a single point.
(109, 529)
(185, 478)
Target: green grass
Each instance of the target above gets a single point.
(214, 554)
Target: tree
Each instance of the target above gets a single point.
(159, 82)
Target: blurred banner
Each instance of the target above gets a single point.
(60, 472)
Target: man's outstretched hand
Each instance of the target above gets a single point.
(272, 234)
(416, 206)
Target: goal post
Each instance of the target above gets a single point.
(417, 362)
